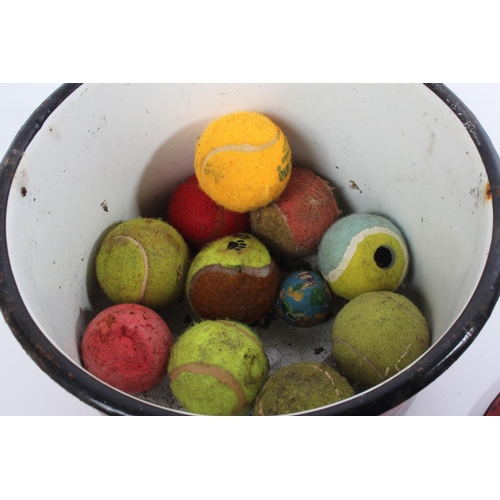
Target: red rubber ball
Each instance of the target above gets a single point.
(199, 219)
(128, 347)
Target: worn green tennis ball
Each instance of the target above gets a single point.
(376, 335)
(233, 278)
(363, 253)
(301, 387)
(217, 368)
(143, 261)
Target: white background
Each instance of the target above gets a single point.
(466, 388)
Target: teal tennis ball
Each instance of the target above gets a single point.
(301, 387)
(363, 253)
(376, 335)
(143, 261)
(217, 368)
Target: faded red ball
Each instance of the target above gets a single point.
(127, 346)
(199, 219)
(295, 223)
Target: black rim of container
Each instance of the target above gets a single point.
(376, 401)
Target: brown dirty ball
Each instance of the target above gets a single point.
(233, 278)
(301, 387)
(294, 224)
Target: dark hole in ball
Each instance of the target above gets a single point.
(384, 257)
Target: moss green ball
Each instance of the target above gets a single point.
(376, 335)
(217, 368)
(143, 261)
(301, 387)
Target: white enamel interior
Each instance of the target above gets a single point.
(394, 150)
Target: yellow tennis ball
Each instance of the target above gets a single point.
(217, 368)
(243, 161)
(143, 261)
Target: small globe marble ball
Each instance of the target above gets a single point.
(304, 299)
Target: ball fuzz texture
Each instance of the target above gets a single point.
(304, 299)
(199, 219)
(293, 225)
(127, 346)
(233, 278)
(301, 387)
(243, 161)
(143, 261)
(376, 335)
(217, 368)
(363, 253)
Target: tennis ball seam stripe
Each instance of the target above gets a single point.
(258, 272)
(332, 382)
(145, 259)
(355, 351)
(238, 148)
(396, 366)
(242, 330)
(289, 229)
(259, 406)
(337, 272)
(220, 374)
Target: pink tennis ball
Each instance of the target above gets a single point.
(294, 224)
(127, 346)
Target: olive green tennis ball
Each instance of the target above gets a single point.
(217, 368)
(376, 335)
(301, 387)
(143, 261)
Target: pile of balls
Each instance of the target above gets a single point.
(223, 244)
